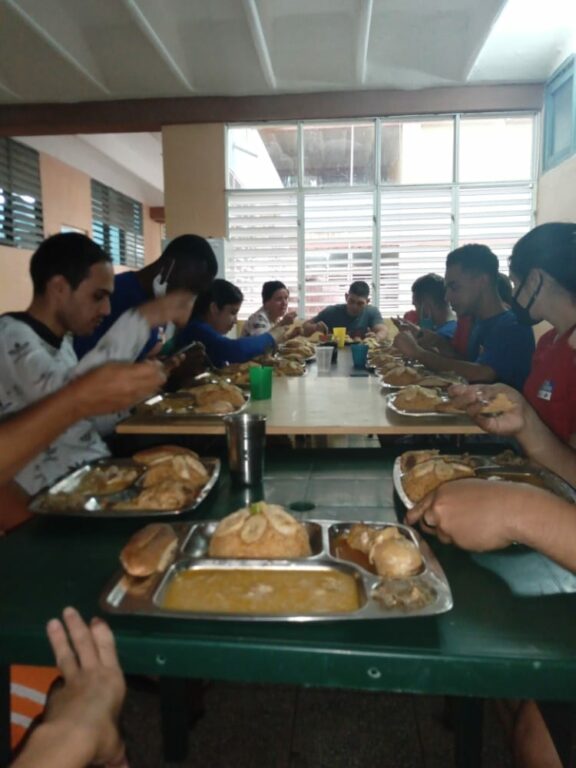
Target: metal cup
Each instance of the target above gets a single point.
(246, 437)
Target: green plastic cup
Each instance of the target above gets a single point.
(261, 383)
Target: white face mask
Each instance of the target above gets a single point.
(160, 284)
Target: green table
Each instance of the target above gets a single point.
(511, 633)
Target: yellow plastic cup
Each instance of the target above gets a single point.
(340, 336)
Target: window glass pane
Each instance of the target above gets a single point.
(496, 148)
(338, 245)
(561, 105)
(263, 244)
(338, 154)
(263, 158)
(416, 152)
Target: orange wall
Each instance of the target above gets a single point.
(66, 200)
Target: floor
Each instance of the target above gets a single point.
(257, 726)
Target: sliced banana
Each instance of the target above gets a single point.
(232, 523)
(253, 529)
(280, 520)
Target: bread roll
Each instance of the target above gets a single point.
(183, 468)
(268, 532)
(395, 556)
(149, 550)
(159, 453)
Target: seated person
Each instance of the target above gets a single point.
(434, 313)
(187, 263)
(275, 297)
(499, 347)
(481, 516)
(106, 389)
(72, 279)
(214, 314)
(356, 315)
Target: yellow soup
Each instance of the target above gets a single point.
(262, 592)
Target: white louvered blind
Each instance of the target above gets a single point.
(338, 232)
(263, 232)
(495, 216)
(21, 216)
(415, 236)
(117, 225)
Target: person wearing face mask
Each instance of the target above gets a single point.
(273, 311)
(214, 315)
(499, 347)
(187, 263)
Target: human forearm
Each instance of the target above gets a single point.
(548, 527)
(29, 432)
(57, 745)
(473, 372)
(542, 446)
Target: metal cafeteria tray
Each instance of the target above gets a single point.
(100, 505)
(126, 595)
(487, 468)
(183, 409)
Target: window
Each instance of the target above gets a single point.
(21, 220)
(380, 200)
(560, 115)
(117, 225)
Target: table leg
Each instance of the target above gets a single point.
(468, 719)
(5, 748)
(181, 705)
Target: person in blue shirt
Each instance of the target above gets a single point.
(187, 263)
(434, 313)
(214, 315)
(499, 348)
(356, 315)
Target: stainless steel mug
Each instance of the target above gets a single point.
(246, 437)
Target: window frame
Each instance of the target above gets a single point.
(131, 244)
(26, 226)
(565, 72)
(379, 187)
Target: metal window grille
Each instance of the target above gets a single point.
(21, 216)
(117, 225)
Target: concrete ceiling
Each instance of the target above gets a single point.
(87, 50)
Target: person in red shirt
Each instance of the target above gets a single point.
(543, 264)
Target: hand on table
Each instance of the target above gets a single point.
(89, 702)
(474, 397)
(115, 386)
(479, 515)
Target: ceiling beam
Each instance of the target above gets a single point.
(147, 28)
(364, 24)
(58, 47)
(151, 114)
(260, 42)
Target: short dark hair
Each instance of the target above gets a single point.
(504, 288)
(550, 247)
(70, 254)
(475, 258)
(270, 288)
(221, 292)
(430, 286)
(360, 288)
(191, 248)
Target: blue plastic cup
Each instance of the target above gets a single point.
(359, 355)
